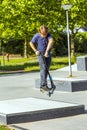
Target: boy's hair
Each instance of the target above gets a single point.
(43, 26)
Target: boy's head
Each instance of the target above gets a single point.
(43, 30)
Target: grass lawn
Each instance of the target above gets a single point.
(31, 64)
(4, 127)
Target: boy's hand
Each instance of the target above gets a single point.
(46, 54)
(37, 53)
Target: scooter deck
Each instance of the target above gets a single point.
(43, 91)
(50, 92)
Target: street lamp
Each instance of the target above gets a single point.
(66, 7)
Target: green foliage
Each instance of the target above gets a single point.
(60, 46)
(77, 14)
(13, 46)
(81, 42)
(20, 19)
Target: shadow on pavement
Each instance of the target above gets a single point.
(18, 127)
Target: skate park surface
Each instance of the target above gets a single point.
(22, 85)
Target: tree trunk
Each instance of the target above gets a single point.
(72, 45)
(25, 49)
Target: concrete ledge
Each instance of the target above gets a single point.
(67, 84)
(82, 63)
(32, 109)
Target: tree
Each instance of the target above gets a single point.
(77, 17)
(20, 19)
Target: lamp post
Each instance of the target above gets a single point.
(66, 7)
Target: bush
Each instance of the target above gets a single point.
(81, 42)
(13, 46)
(60, 45)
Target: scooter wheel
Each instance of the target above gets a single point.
(49, 94)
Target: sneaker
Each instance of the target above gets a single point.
(44, 88)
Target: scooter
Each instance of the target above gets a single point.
(53, 87)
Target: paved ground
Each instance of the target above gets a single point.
(23, 85)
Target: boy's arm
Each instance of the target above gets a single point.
(34, 48)
(50, 44)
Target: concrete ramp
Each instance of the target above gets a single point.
(34, 109)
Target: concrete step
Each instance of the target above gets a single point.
(34, 109)
(66, 84)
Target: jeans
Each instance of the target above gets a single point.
(43, 69)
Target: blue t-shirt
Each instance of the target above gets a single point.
(41, 41)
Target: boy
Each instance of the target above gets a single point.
(44, 42)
